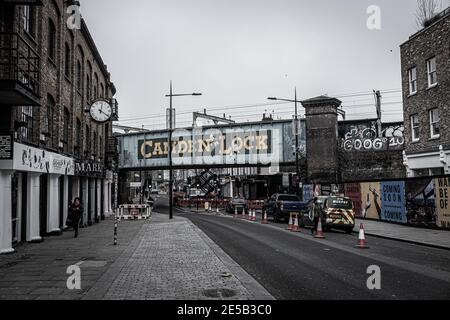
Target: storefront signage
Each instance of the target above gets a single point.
(31, 159)
(6, 147)
(442, 187)
(393, 202)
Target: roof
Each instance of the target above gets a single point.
(322, 99)
(438, 18)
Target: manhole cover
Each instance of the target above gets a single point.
(219, 293)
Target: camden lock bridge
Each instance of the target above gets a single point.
(257, 144)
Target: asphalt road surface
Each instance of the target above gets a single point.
(298, 267)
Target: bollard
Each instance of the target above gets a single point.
(116, 224)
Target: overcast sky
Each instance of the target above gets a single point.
(239, 52)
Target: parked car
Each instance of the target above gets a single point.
(281, 206)
(337, 214)
(239, 203)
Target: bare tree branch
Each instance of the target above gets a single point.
(426, 11)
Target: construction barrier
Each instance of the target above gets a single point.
(135, 212)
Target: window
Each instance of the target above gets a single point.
(51, 40)
(94, 144)
(48, 124)
(78, 137)
(434, 123)
(88, 88)
(66, 128)
(88, 144)
(96, 87)
(415, 127)
(79, 77)
(28, 19)
(432, 74)
(412, 81)
(102, 91)
(25, 115)
(67, 60)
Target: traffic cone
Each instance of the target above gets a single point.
(319, 233)
(235, 212)
(264, 220)
(254, 216)
(362, 238)
(291, 223)
(296, 227)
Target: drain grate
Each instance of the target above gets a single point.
(219, 293)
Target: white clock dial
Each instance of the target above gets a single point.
(101, 111)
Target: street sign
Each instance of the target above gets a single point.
(135, 184)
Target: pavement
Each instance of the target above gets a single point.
(420, 236)
(155, 260)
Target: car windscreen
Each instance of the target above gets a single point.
(288, 198)
(340, 203)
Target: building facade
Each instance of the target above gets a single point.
(426, 95)
(51, 150)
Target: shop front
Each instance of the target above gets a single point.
(93, 185)
(34, 194)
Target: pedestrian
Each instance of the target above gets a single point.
(317, 213)
(75, 214)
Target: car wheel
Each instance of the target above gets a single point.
(276, 217)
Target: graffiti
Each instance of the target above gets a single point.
(368, 139)
(36, 159)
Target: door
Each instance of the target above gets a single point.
(43, 205)
(62, 204)
(15, 216)
(24, 208)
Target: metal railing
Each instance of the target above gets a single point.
(19, 62)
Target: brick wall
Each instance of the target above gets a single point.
(430, 42)
(62, 88)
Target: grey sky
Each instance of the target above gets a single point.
(239, 52)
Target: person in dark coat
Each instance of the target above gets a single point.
(317, 212)
(75, 214)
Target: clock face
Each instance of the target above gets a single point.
(101, 111)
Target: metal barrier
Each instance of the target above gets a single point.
(135, 212)
(257, 205)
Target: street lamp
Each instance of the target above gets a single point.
(297, 130)
(171, 95)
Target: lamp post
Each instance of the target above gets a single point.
(297, 131)
(171, 95)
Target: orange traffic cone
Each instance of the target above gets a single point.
(254, 216)
(291, 223)
(319, 233)
(264, 220)
(235, 213)
(296, 227)
(362, 238)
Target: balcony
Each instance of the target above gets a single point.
(19, 72)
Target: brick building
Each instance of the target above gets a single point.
(426, 94)
(51, 150)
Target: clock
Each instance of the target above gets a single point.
(101, 111)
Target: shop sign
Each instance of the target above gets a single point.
(31, 159)
(6, 147)
(89, 169)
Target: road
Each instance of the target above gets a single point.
(297, 266)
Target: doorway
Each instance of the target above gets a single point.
(43, 192)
